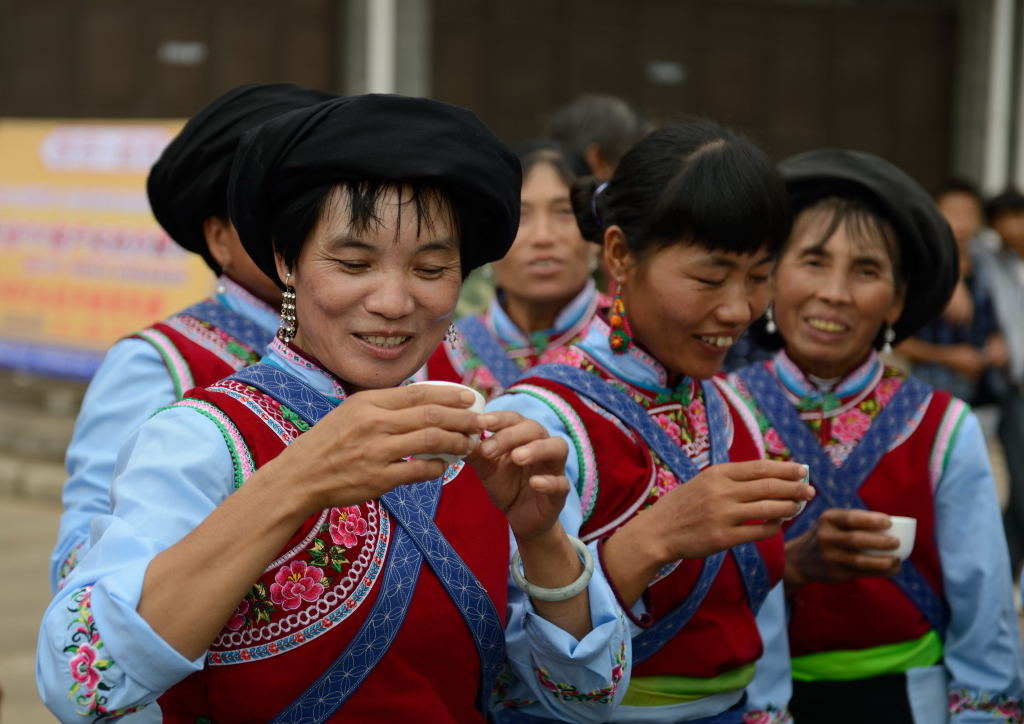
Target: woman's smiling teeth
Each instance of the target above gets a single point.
(825, 325)
(716, 341)
(380, 341)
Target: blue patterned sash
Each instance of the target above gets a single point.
(748, 557)
(490, 351)
(416, 538)
(238, 326)
(838, 487)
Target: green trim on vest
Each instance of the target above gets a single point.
(668, 690)
(865, 663)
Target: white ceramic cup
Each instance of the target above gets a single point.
(903, 528)
(477, 407)
(803, 503)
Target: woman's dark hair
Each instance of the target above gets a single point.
(691, 183)
(546, 152)
(608, 121)
(957, 185)
(1010, 201)
(294, 223)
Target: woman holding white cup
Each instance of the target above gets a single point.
(883, 626)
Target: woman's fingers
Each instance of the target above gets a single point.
(400, 398)
(510, 434)
(431, 415)
(761, 469)
(853, 519)
(767, 510)
(774, 489)
(412, 471)
(431, 440)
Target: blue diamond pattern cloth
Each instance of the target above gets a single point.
(241, 328)
(490, 351)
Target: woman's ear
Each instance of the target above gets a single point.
(218, 240)
(618, 257)
(283, 270)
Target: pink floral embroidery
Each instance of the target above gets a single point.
(666, 423)
(664, 481)
(886, 388)
(1001, 706)
(773, 442)
(238, 619)
(296, 582)
(851, 426)
(346, 524)
(698, 418)
(771, 715)
(84, 667)
(89, 691)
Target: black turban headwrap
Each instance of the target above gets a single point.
(929, 256)
(189, 182)
(387, 139)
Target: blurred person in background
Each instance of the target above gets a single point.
(963, 350)
(1003, 272)
(303, 541)
(545, 296)
(933, 638)
(154, 367)
(667, 488)
(596, 130)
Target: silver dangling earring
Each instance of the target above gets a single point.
(288, 320)
(451, 336)
(887, 337)
(769, 321)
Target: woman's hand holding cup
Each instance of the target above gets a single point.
(845, 544)
(377, 440)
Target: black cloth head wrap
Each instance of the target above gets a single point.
(929, 257)
(388, 139)
(189, 182)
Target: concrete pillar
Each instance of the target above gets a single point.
(388, 46)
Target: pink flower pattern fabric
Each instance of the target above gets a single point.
(850, 426)
(346, 525)
(88, 662)
(296, 582)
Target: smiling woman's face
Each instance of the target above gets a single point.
(372, 304)
(833, 294)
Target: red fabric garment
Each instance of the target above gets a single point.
(723, 634)
(430, 673)
(207, 353)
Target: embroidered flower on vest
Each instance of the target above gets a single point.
(296, 582)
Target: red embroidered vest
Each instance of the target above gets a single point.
(311, 600)
(868, 612)
(196, 353)
(616, 484)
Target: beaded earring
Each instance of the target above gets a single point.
(887, 338)
(287, 330)
(619, 339)
(769, 321)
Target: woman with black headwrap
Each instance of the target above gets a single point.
(155, 366)
(273, 554)
(875, 635)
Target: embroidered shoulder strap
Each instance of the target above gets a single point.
(490, 351)
(838, 487)
(417, 537)
(238, 326)
(747, 556)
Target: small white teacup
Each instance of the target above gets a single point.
(803, 503)
(903, 528)
(477, 407)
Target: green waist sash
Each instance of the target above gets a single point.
(666, 690)
(845, 665)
